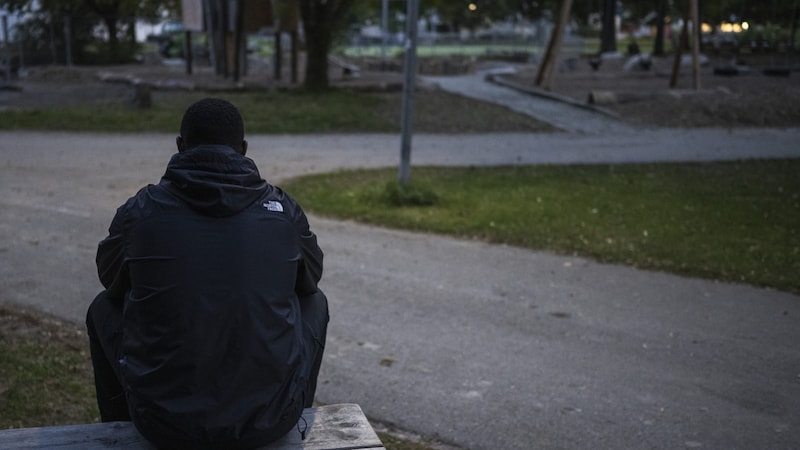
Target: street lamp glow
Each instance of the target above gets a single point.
(745, 26)
(473, 7)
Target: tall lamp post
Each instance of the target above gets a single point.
(409, 76)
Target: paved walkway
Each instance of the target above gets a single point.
(559, 114)
(478, 345)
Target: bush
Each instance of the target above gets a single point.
(398, 194)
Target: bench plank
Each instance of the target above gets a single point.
(330, 427)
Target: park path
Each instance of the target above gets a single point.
(478, 345)
(560, 114)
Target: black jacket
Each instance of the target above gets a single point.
(209, 266)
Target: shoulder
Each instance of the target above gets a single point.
(142, 202)
(276, 199)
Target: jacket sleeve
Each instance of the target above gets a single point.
(309, 271)
(110, 258)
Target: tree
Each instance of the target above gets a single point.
(608, 33)
(322, 19)
(111, 12)
(117, 16)
(658, 45)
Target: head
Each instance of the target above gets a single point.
(212, 121)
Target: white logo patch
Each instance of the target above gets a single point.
(272, 205)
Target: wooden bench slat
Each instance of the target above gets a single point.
(330, 427)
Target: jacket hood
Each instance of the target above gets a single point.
(214, 180)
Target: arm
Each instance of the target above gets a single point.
(111, 257)
(309, 271)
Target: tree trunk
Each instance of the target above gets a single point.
(321, 19)
(317, 48)
(682, 43)
(113, 41)
(658, 45)
(608, 34)
(544, 75)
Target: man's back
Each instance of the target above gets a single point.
(210, 264)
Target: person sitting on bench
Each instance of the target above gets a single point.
(211, 328)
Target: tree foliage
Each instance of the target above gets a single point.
(48, 22)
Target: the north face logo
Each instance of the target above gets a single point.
(272, 205)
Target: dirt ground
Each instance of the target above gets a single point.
(749, 98)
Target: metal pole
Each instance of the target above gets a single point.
(409, 77)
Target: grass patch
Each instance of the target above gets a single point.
(46, 376)
(392, 442)
(45, 372)
(411, 194)
(730, 221)
(284, 112)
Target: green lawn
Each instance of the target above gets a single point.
(45, 371)
(732, 221)
(285, 112)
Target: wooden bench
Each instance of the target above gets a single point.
(330, 427)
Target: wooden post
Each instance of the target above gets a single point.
(293, 50)
(278, 55)
(187, 51)
(544, 75)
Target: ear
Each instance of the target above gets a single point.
(180, 143)
(244, 147)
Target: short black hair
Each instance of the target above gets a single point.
(213, 121)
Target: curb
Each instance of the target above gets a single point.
(538, 92)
